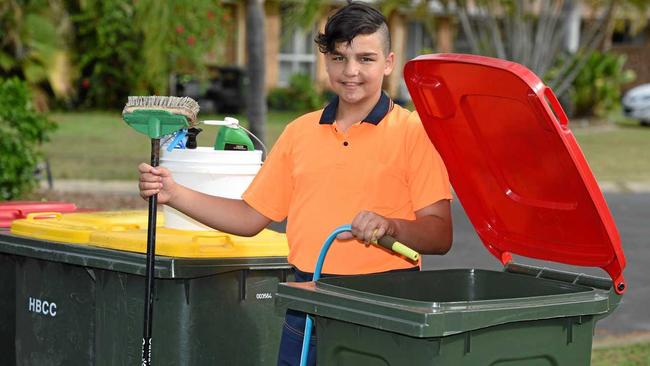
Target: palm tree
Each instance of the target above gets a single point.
(512, 30)
(33, 46)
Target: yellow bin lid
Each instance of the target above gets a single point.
(196, 244)
(77, 227)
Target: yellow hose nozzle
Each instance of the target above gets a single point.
(389, 242)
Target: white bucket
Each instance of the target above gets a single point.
(215, 172)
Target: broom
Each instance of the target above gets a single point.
(156, 116)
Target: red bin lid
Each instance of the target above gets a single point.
(513, 162)
(14, 210)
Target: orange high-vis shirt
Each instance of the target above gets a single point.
(320, 178)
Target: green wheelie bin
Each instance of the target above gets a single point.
(82, 303)
(528, 191)
(10, 211)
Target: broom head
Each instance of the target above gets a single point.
(157, 116)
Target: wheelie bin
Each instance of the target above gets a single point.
(528, 191)
(10, 211)
(81, 302)
(14, 210)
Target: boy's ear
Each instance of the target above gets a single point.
(390, 63)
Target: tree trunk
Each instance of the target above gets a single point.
(572, 25)
(256, 49)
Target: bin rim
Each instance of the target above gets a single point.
(385, 299)
(436, 319)
(132, 263)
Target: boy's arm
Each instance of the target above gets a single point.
(233, 216)
(429, 233)
(228, 215)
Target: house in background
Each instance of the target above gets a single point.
(291, 50)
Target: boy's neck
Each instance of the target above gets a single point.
(348, 114)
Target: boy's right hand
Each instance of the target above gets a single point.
(156, 180)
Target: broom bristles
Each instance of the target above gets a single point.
(185, 106)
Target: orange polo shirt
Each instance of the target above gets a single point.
(320, 178)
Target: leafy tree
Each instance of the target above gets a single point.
(127, 47)
(176, 36)
(597, 87)
(107, 51)
(34, 45)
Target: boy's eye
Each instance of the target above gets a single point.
(366, 59)
(337, 58)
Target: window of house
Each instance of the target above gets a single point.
(624, 34)
(462, 42)
(418, 40)
(297, 53)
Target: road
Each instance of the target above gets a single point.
(631, 212)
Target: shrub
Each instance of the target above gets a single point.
(108, 52)
(597, 87)
(22, 130)
(131, 47)
(300, 95)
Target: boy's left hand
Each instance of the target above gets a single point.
(368, 227)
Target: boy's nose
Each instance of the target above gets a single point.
(351, 68)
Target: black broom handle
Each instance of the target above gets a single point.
(151, 256)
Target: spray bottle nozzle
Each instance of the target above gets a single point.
(191, 137)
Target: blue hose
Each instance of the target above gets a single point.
(319, 267)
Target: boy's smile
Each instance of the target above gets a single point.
(356, 70)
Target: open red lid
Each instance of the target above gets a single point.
(513, 162)
(14, 210)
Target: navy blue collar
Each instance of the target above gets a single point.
(380, 110)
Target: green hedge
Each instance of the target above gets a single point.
(22, 130)
(300, 95)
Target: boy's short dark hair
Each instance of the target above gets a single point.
(350, 21)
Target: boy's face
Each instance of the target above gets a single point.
(356, 70)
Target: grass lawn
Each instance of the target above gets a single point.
(617, 153)
(637, 354)
(99, 145)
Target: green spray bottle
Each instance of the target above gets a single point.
(231, 136)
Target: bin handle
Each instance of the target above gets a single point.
(224, 240)
(556, 107)
(32, 216)
(124, 227)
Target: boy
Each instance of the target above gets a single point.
(361, 160)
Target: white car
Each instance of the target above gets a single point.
(636, 103)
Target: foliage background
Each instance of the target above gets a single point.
(93, 53)
(22, 130)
